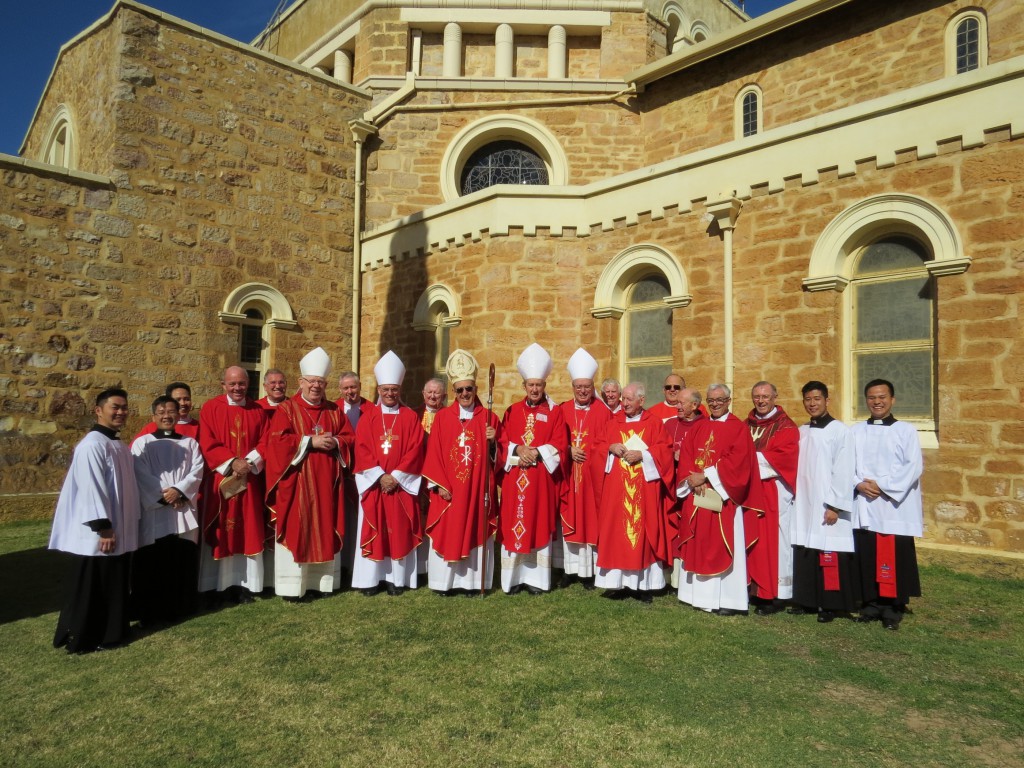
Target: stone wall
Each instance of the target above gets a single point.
(860, 51)
(226, 167)
(515, 290)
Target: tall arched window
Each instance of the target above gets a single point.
(250, 348)
(749, 112)
(966, 42)
(647, 333)
(59, 147)
(436, 313)
(892, 336)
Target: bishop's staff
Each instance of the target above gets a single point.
(487, 480)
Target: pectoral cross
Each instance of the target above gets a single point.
(386, 444)
(318, 430)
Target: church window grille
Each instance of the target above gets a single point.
(502, 162)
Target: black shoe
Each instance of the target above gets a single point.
(615, 594)
(566, 581)
(371, 591)
(516, 589)
(890, 624)
(729, 612)
(768, 609)
(531, 590)
(588, 584)
(824, 617)
(245, 597)
(643, 596)
(446, 593)
(799, 610)
(865, 619)
(395, 591)
(291, 599)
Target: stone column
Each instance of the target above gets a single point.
(452, 61)
(557, 62)
(504, 52)
(343, 66)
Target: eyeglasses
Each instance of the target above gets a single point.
(717, 400)
(673, 387)
(460, 390)
(314, 382)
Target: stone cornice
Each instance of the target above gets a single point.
(920, 118)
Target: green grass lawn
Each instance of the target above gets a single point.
(566, 679)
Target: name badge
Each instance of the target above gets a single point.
(542, 417)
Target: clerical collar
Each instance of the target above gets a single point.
(635, 418)
(465, 414)
(582, 407)
(888, 421)
(105, 431)
(390, 408)
(820, 422)
(232, 402)
(311, 405)
(768, 415)
(272, 404)
(723, 417)
(168, 434)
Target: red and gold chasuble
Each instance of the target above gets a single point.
(392, 526)
(456, 456)
(530, 495)
(236, 526)
(706, 538)
(633, 517)
(581, 484)
(777, 438)
(306, 499)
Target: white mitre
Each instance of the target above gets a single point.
(582, 365)
(389, 370)
(315, 363)
(461, 366)
(534, 363)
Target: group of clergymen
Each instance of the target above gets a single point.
(289, 493)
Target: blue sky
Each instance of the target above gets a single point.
(34, 31)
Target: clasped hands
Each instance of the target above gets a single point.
(528, 456)
(388, 484)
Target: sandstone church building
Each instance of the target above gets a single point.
(832, 191)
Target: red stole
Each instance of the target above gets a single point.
(582, 481)
(392, 527)
(530, 495)
(456, 456)
(634, 530)
(307, 501)
(236, 526)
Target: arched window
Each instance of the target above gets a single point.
(647, 333)
(966, 42)
(502, 149)
(250, 348)
(60, 148)
(892, 308)
(436, 313)
(748, 112)
(502, 162)
(676, 26)
(699, 31)
(257, 309)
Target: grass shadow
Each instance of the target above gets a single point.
(31, 583)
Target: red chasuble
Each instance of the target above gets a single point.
(392, 527)
(581, 484)
(306, 500)
(706, 545)
(530, 495)
(456, 456)
(633, 520)
(677, 430)
(236, 526)
(663, 412)
(778, 439)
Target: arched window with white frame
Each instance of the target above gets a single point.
(437, 312)
(749, 112)
(966, 42)
(60, 145)
(257, 310)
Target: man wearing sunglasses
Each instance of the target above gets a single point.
(673, 388)
(459, 472)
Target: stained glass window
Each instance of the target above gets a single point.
(502, 162)
(894, 324)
